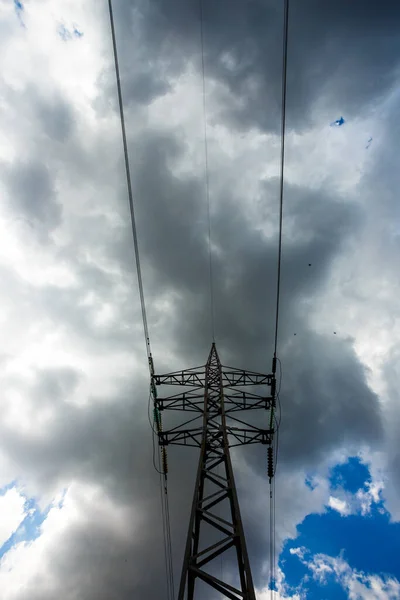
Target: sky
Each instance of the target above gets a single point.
(79, 499)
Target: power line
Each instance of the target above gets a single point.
(166, 559)
(282, 168)
(282, 164)
(169, 541)
(129, 183)
(206, 169)
(271, 539)
(165, 514)
(164, 497)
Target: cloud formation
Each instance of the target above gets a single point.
(73, 365)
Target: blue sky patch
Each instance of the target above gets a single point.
(352, 475)
(29, 529)
(355, 537)
(309, 481)
(338, 122)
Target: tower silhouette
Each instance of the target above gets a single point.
(215, 393)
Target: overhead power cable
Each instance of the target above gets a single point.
(163, 484)
(206, 173)
(169, 541)
(129, 183)
(278, 287)
(282, 166)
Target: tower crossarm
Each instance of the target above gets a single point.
(190, 401)
(239, 436)
(193, 401)
(238, 377)
(182, 437)
(230, 377)
(189, 377)
(243, 437)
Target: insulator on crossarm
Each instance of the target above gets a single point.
(157, 418)
(273, 387)
(274, 365)
(270, 463)
(164, 459)
(151, 365)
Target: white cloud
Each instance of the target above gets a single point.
(358, 585)
(12, 513)
(320, 569)
(372, 494)
(298, 552)
(282, 591)
(339, 505)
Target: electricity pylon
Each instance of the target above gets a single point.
(214, 392)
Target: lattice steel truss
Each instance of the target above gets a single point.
(215, 394)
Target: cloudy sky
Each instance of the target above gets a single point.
(79, 498)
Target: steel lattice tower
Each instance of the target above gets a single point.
(214, 393)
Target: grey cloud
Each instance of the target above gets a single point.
(107, 442)
(52, 114)
(143, 88)
(57, 118)
(32, 194)
(326, 400)
(96, 445)
(170, 213)
(171, 217)
(392, 417)
(344, 54)
(57, 383)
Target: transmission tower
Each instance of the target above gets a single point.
(215, 393)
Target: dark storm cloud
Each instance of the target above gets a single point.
(143, 87)
(343, 53)
(171, 216)
(171, 221)
(329, 396)
(171, 213)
